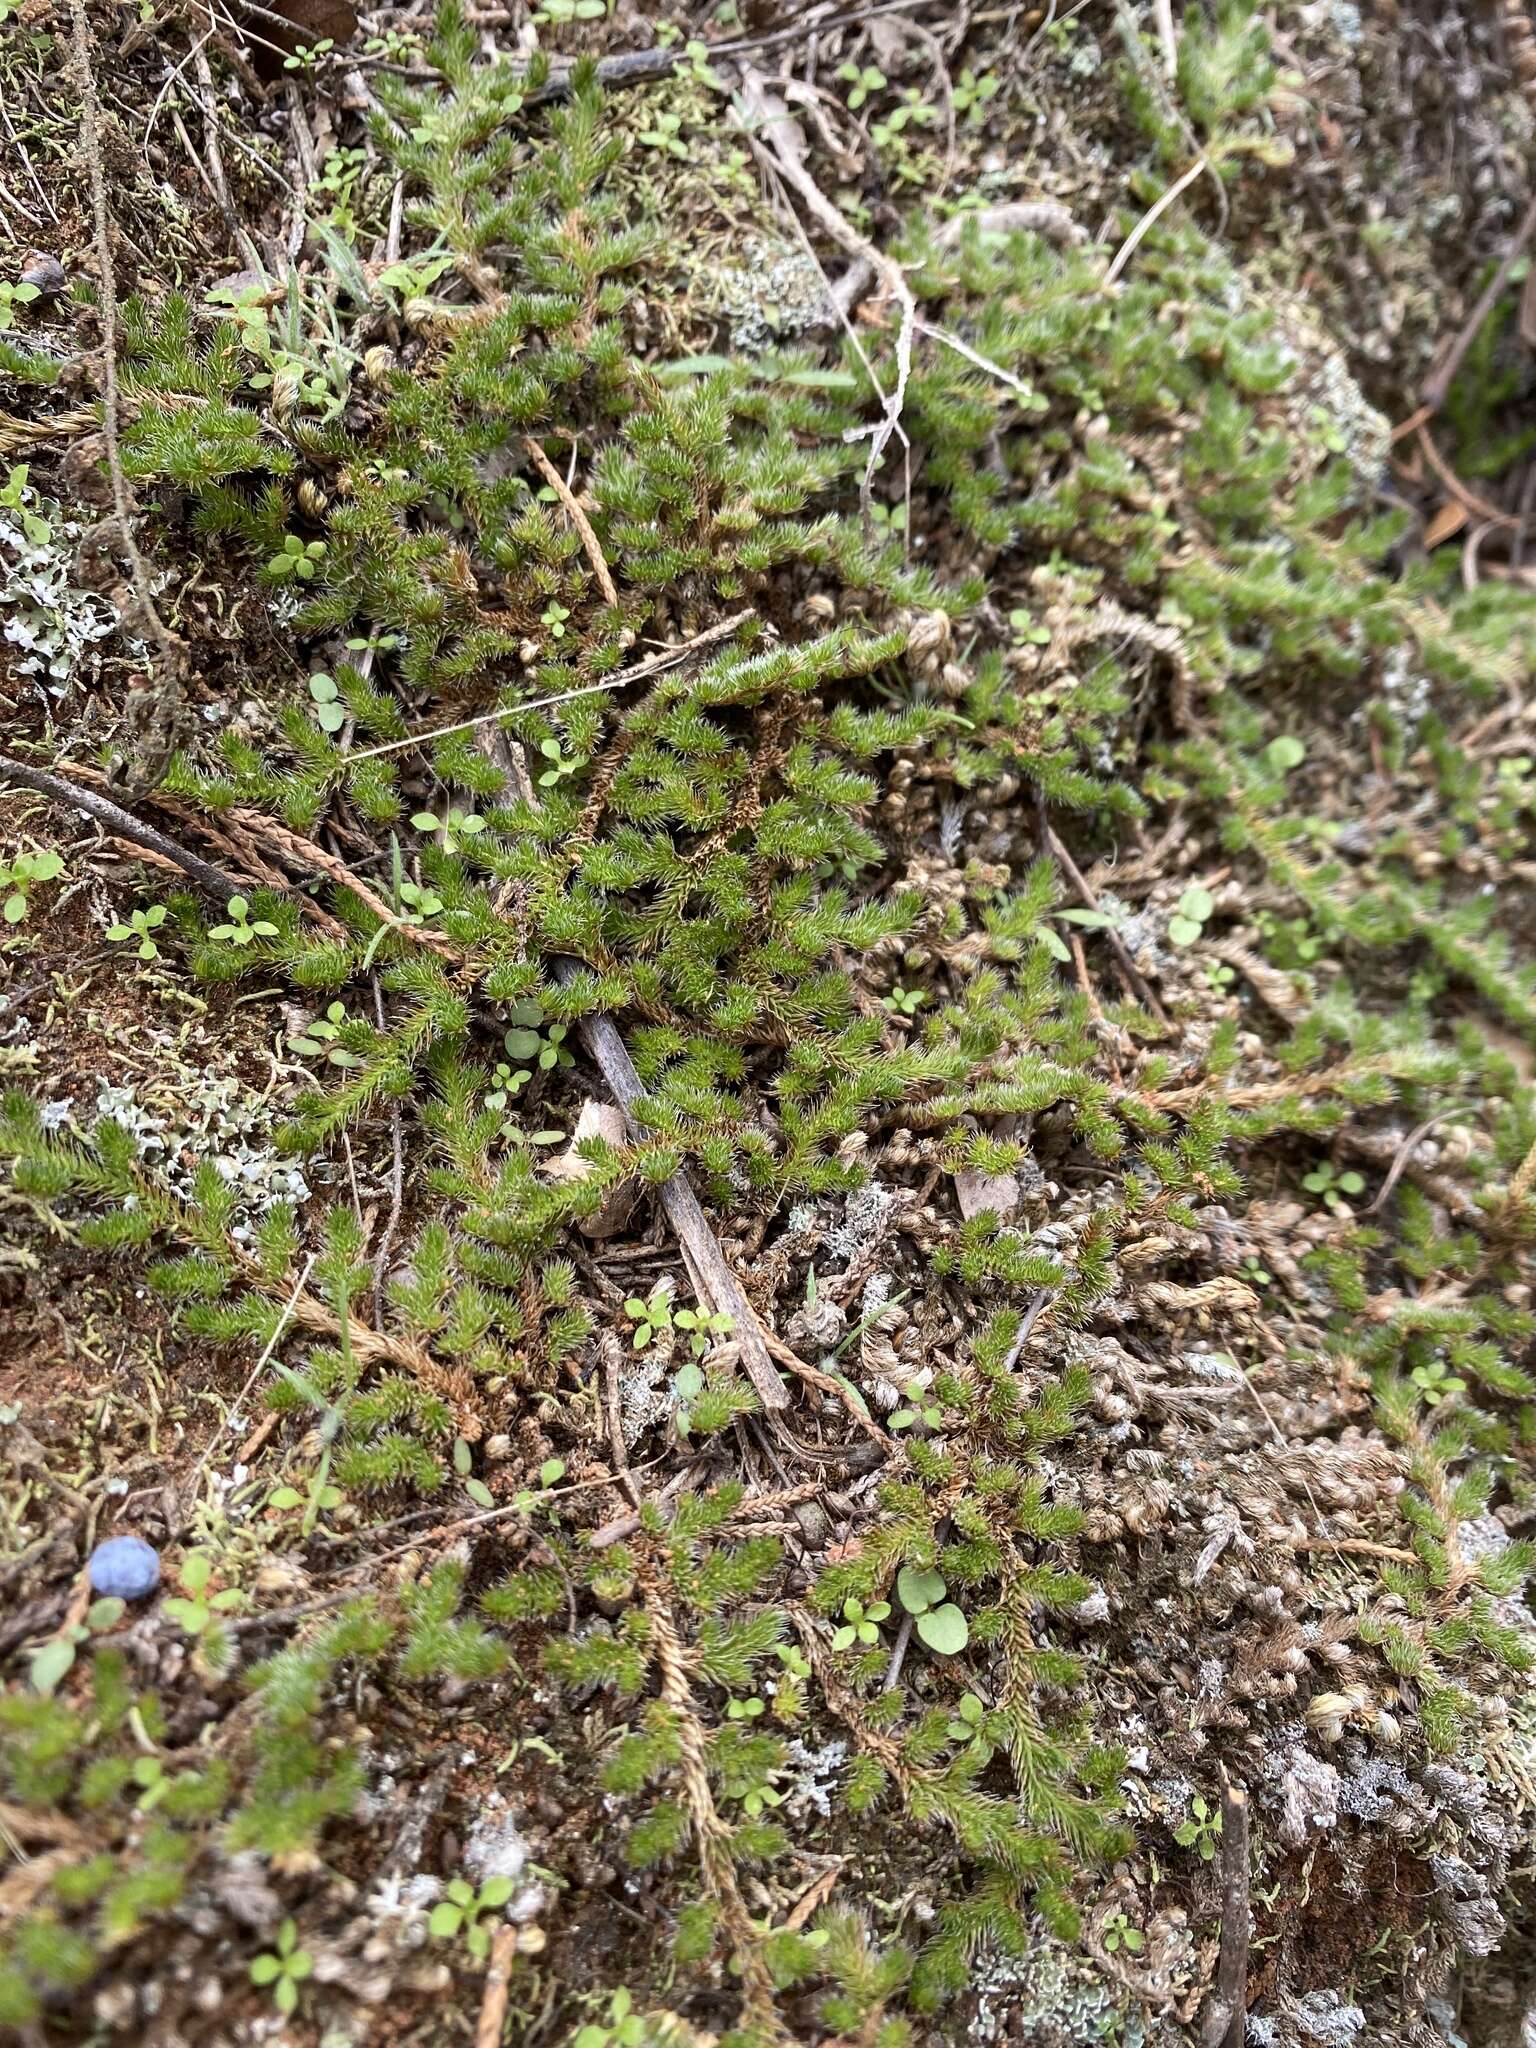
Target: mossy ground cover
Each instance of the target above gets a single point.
(1050, 844)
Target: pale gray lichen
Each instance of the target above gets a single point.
(816, 1775)
(1308, 1795)
(1049, 1999)
(496, 1847)
(1324, 2017)
(216, 1120)
(777, 295)
(866, 1218)
(46, 617)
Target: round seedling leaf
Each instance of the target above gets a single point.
(918, 1591)
(944, 1630)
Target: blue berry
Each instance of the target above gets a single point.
(124, 1568)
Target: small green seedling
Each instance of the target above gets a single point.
(745, 1710)
(650, 1316)
(968, 1725)
(12, 296)
(307, 55)
(296, 560)
(318, 1038)
(624, 2027)
(551, 1472)
(938, 1621)
(554, 615)
(14, 495)
(330, 712)
(460, 1913)
(702, 1327)
(141, 925)
(505, 1083)
(971, 94)
(18, 875)
(451, 827)
(561, 764)
(1337, 1189)
(284, 1967)
(1436, 1382)
(861, 1624)
(463, 1465)
(1187, 921)
(1285, 753)
(919, 1410)
(904, 1002)
(418, 902)
(533, 1042)
(665, 134)
(242, 929)
(862, 80)
(197, 1610)
(1027, 630)
(1119, 1933)
(51, 1665)
(282, 1500)
(1199, 1832)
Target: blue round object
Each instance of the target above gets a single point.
(124, 1568)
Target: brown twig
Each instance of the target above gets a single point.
(1128, 247)
(653, 666)
(701, 1246)
(396, 1184)
(765, 121)
(1135, 981)
(90, 140)
(1461, 492)
(577, 517)
(1226, 2010)
(1405, 1152)
(1439, 383)
(824, 1383)
(1354, 1546)
(498, 1986)
(123, 825)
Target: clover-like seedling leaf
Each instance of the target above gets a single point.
(919, 1590)
(944, 1630)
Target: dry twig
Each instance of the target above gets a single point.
(123, 825)
(90, 140)
(769, 132)
(1225, 2013)
(577, 517)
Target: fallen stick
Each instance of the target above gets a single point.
(123, 825)
(577, 517)
(1439, 383)
(1226, 2011)
(701, 1248)
(769, 129)
(681, 1205)
(498, 1986)
(1135, 980)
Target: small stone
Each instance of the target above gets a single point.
(124, 1568)
(45, 273)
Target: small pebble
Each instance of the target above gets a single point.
(46, 273)
(124, 1568)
